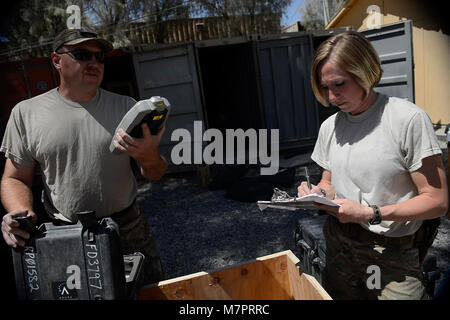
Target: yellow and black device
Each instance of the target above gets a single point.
(153, 111)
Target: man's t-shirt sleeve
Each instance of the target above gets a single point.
(15, 144)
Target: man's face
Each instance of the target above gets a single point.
(81, 74)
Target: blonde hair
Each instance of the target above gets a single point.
(351, 52)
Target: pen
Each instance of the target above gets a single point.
(307, 178)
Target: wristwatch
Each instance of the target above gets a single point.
(376, 219)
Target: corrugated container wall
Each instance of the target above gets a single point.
(260, 84)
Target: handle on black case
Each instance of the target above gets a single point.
(26, 224)
(88, 219)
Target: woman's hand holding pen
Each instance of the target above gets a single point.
(303, 189)
(306, 187)
(348, 211)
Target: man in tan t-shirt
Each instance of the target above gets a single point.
(66, 133)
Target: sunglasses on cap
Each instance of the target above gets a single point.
(85, 55)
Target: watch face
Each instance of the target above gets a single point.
(376, 215)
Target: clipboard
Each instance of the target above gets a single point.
(282, 200)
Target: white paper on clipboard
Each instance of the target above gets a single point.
(304, 202)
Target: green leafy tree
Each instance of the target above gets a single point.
(32, 25)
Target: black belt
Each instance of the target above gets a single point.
(357, 232)
(50, 210)
(119, 213)
(383, 240)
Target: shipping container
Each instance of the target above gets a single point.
(253, 82)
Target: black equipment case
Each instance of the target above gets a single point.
(81, 261)
(310, 245)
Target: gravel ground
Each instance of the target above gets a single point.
(198, 229)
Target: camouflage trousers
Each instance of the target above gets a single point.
(362, 265)
(135, 236)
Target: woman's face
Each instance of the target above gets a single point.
(342, 90)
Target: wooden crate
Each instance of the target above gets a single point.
(271, 277)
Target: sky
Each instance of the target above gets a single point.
(292, 14)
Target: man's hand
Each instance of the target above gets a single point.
(143, 150)
(10, 228)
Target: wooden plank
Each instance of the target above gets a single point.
(303, 286)
(312, 289)
(266, 279)
(270, 277)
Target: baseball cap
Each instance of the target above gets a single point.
(76, 36)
